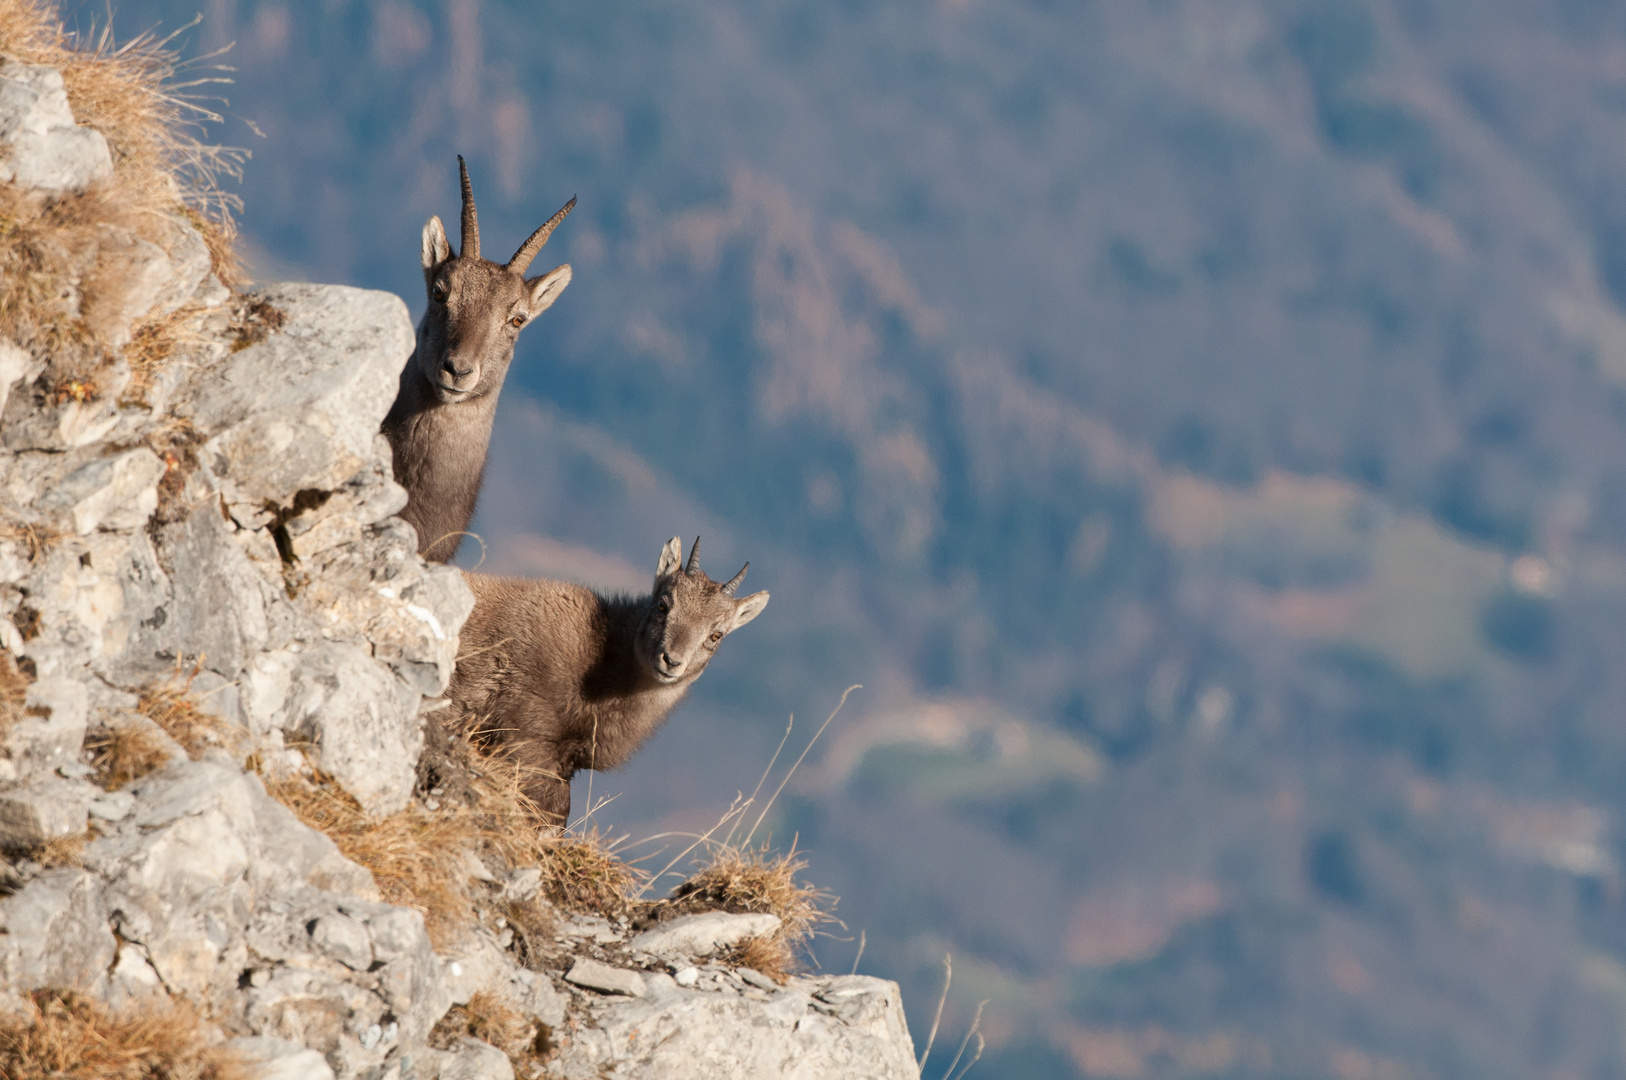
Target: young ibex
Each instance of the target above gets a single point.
(566, 679)
(440, 425)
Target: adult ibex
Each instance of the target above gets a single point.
(566, 679)
(440, 425)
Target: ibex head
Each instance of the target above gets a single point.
(689, 615)
(476, 307)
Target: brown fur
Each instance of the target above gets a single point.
(440, 425)
(566, 679)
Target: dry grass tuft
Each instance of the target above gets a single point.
(154, 342)
(220, 237)
(61, 1035)
(124, 753)
(750, 881)
(13, 691)
(582, 872)
(63, 851)
(534, 927)
(492, 1019)
(417, 856)
(753, 880)
(142, 101)
(172, 707)
(36, 539)
(772, 956)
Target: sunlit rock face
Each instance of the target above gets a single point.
(225, 524)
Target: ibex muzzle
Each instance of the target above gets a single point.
(440, 425)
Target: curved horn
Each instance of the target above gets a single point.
(694, 558)
(734, 582)
(527, 251)
(471, 223)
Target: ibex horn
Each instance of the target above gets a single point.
(471, 224)
(694, 557)
(527, 251)
(734, 582)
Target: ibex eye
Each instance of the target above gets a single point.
(517, 321)
(716, 637)
(439, 291)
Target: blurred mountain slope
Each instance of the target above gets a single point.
(1200, 427)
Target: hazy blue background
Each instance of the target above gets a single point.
(1200, 426)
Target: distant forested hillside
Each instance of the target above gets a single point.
(1202, 428)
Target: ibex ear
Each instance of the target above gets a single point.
(671, 559)
(435, 248)
(546, 289)
(748, 608)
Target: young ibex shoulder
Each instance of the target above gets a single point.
(566, 679)
(440, 425)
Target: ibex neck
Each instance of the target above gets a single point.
(619, 671)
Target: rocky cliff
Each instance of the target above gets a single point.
(206, 597)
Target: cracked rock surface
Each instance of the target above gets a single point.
(231, 523)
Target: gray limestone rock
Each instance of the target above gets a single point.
(300, 409)
(52, 727)
(124, 278)
(119, 491)
(56, 933)
(344, 939)
(758, 980)
(216, 602)
(361, 720)
(606, 979)
(279, 1059)
(703, 934)
(45, 808)
(689, 1035)
(40, 145)
(16, 366)
(275, 582)
(90, 592)
(132, 978)
(475, 1060)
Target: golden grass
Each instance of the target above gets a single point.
(493, 1019)
(581, 872)
(417, 855)
(154, 342)
(751, 881)
(772, 956)
(36, 538)
(61, 1035)
(13, 691)
(63, 851)
(136, 96)
(123, 753)
(171, 706)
